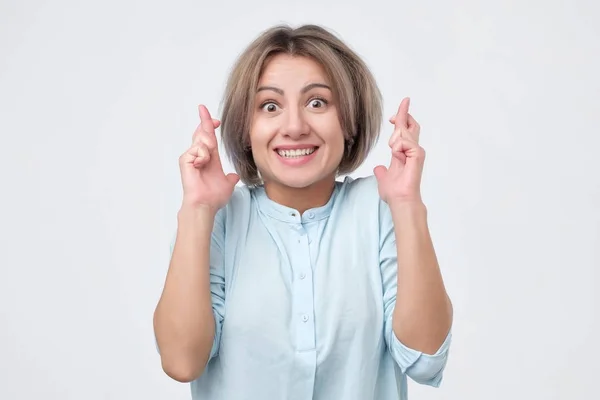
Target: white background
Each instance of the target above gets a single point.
(98, 100)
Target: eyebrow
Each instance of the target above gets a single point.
(304, 90)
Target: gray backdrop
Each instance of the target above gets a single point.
(98, 100)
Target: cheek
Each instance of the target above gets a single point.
(255, 137)
(261, 132)
(259, 142)
(257, 148)
(338, 142)
(337, 134)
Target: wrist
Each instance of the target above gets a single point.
(408, 206)
(196, 212)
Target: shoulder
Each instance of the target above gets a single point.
(239, 204)
(241, 198)
(362, 196)
(359, 191)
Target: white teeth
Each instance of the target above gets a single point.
(296, 153)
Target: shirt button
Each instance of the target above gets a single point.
(305, 318)
(302, 275)
(311, 215)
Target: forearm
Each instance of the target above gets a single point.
(423, 312)
(183, 321)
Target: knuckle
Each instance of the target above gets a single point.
(207, 142)
(201, 151)
(398, 144)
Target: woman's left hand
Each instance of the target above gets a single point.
(401, 181)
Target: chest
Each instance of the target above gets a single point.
(304, 283)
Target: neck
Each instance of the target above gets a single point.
(301, 199)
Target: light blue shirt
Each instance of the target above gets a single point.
(303, 304)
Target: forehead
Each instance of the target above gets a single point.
(285, 68)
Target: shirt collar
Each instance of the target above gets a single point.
(288, 214)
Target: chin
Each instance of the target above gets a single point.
(298, 180)
(299, 172)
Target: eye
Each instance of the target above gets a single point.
(317, 103)
(269, 107)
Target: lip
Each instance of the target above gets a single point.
(295, 146)
(296, 161)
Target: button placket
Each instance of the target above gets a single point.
(303, 291)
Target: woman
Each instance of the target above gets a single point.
(293, 285)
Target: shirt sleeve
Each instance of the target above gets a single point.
(217, 277)
(426, 369)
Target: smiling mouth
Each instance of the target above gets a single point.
(296, 153)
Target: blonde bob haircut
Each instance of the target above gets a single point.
(358, 98)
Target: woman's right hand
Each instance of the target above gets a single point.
(205, 185)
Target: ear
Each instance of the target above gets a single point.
(349, 143)
(246, 143)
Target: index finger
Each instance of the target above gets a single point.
(401, 119)
(206, 130)
(206, 120)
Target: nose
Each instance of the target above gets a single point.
(294, 124)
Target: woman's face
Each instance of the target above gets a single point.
(296, 136)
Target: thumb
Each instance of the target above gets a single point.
(380, 171)
(233, 178)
